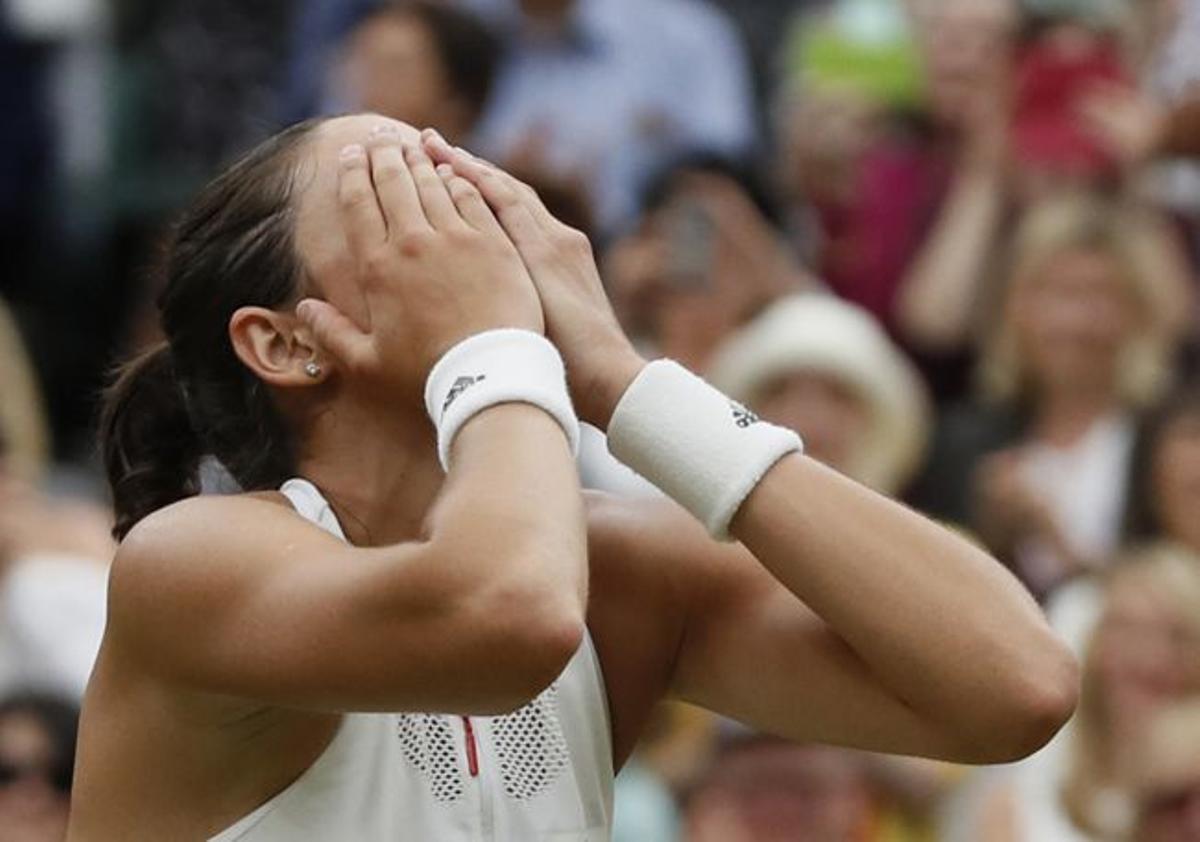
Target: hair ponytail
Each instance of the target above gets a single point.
(151, 451)
(191, 397)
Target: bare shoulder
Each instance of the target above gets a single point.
(167, 541)
(197, 551)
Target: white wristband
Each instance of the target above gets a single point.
(493, 367)
(702, 449)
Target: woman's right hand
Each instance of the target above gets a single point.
(433, 265)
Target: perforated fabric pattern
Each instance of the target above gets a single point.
(429, 745)
(530, 747)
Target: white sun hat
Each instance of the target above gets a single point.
(822, 334)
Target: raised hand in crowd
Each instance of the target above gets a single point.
(701, 264)
(938, 296)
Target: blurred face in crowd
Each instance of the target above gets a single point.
(547, 10)
(33, 792)
(696, 268)
(963, 43)
(825, 134)
(826, 412)
(1171, 813)
(1146, 652)
(782, 793)
(393, 68)
(1176, 471)
(1072, 322)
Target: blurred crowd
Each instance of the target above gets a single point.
(954, 243)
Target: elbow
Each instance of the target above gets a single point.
(1035, 701)
(533, 638)
(544, 648)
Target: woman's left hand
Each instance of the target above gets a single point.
(601, 362)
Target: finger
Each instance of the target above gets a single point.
(362, 218)
(529, 197)
(526, 233)
(440, 150)
(335, 333)
(474, 169)
(435, 198)
(470, 203)
(394, 184)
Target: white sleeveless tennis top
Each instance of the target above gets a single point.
(543, 772)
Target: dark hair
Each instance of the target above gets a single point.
(1142, 516)
(60, 720)
(469, 51)
(663, 185)
(190, 396)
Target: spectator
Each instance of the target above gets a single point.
(1167, 782)
(53, 553)
(419, 61)
(1165, 496)
(704, 258)
(826, 369)
(848, 68)
(1040, 468)
(874, 226)
(1143, 655)
(24, 433)
(608, 91)
(764, 790)
(37, 758)
(53, 588)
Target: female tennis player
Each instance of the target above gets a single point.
(426, 631)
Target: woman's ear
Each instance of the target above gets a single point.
(277, 347)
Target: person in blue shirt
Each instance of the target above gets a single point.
(604, 92)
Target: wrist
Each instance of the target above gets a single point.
(495, 367)
(703, 450)
(596, 396)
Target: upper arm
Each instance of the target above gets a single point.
(728, 637)
(242, 597)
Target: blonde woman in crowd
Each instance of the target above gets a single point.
(1089, 315)
(1143, 656)
(1167, 783)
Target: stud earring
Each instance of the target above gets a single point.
(312, 370)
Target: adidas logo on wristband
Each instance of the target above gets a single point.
(461, 385)
(511, 366)
(742, 416)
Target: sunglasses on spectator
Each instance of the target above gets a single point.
(15, 773)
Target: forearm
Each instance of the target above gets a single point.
(940, 624)
(506, 551)
(936, 296)
(511, 514)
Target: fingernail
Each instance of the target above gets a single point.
(304, 308)
(354, 150)
(445, 170)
